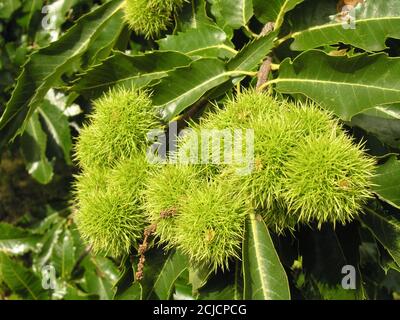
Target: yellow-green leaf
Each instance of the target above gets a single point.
(264, 276)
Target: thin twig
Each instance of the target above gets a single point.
(265, 68)
(269, 27)
(263, 74)
(143, 249)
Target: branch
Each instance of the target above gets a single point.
(265, 68)
(263, 74)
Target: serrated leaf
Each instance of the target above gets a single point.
(63, 258)
(198, 277)
(206, 41)
(193, 15)
(174, 265)
(58, 126)
(247, 60)
(175, 93)
(375, 21)
(309, 13)
(101, 47)
(253, 54)
(48, 241)
(386, 229)
(390, 112)
(125, 70)
(387, 181)
(236, 13)
(383, 125)
(47, 223)
(273, 10)
(45, 67)
(21, 280)
(183, 290)
(126, 279)
(344, 85)
(264, 276)
(134, 292)
(155, 261)
(16, 241)
(323, 258)
(55, 14)
(33, 147)
(67, 291)
(100, 277)
(224, 286)
(215, 10)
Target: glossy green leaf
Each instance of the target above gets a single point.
(134, 292)
(125, 70)
(253, 54)
(385, 127)
(7, 8)
(100, 277)
(31, 7)
(183, 290)
(238, 282)
(45, 67)
(58, 126)
(385, 228)
(344, 85)
(33, 147)
(215, 10)
(224, 286)
(198, 276)
(247, 60)
(264, 276)
(155, 261)
(375, 21)
(273, 10)
(387, 181)
(54, 13)
(236, 13)
(175, 93)
(383, 122)
(324, 253)
(309, 13)
(70, 292)
(63, 258)
(49, 242)
(126, 280)
(101, 47)
(390, 111)
(21, 280)
(205, 41)
(173, 267)
(193, 15)
(225, 292)
(16, 241)
(46, 224)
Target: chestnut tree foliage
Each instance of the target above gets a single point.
(82, 81)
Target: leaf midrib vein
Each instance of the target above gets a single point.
(332, 25)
